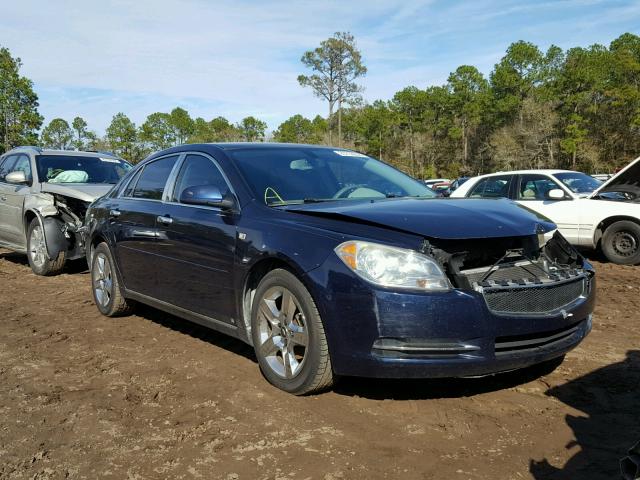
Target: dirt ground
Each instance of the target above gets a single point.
(152, 396)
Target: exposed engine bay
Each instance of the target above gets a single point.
(517, 274)
(62, 218)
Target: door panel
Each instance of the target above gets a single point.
(134, 230)
(196, 255)
(133, 224)
(12, 201)
(196, 245)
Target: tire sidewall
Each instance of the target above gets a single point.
(46, 266)
(306, 375)
(607, 246)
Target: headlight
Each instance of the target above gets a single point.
(392, 266)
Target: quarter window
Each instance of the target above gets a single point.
(198, 171)
(152, 180)
(535, 187)
(492, 187)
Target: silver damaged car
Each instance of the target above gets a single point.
(44, 195)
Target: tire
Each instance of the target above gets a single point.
(621, 243)
(37, 252)
(105, 286)
(292, 355)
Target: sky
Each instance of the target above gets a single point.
(237, 58)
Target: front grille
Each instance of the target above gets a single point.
(535, 299)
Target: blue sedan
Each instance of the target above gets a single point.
(329, 262)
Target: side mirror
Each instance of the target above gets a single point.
(555, 194)
(206, 195)
(18, 177)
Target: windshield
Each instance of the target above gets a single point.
(578, 182)
(78, 169)
(279, 176)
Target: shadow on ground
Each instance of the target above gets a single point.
(71, 267)
(416, 389)
(610, 399)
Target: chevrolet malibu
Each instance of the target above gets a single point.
(329, 262)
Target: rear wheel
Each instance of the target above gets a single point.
(39, 260)
(104, 284)
(621, 243)
(288, 335)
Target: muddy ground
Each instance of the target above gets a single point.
(152, 396)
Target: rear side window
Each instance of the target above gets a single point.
(152, 180)
(198, 171)
(492, 187)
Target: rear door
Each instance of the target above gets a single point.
(531, 191)
(12, 200)
(196, 245)
(133, 224)
(495, 186)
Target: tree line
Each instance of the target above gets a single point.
(576, 109)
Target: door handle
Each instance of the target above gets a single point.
(165, 220)
(3, 198)
(114, 213)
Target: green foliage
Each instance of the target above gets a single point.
(251, 129)
(57, 135)
(299, 129)
(19, 117)
(122, 138)
(337, 63)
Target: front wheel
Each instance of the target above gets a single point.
(288, 335)
(39, 260)
(621, 243)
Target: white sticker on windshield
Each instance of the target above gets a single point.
(109, 160)
(349, 153)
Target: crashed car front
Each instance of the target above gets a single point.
(449, 307)
(64, 185)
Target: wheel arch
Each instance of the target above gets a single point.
(253, 278)
(607, 222)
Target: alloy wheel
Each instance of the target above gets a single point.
(283, 334)
(37, 247)
(102, 280)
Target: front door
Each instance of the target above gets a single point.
(12, 200)
(532, 192)
(196, 246)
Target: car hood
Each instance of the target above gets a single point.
(626, 180)
(435, 218)
(86, 192)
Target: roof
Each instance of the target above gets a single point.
(537, 170)
(41, 151)
(265, 145)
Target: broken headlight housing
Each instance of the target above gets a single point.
(392, 266)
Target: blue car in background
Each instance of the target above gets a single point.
(332, 263)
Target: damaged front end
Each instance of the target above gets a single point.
(533, 275)
(61, 218)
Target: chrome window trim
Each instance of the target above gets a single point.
(137, 176)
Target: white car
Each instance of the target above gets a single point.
(588, 213)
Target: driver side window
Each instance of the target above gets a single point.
(196, 171)
(535, 187)
(16, 163)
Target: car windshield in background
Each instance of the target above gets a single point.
(578, 182)
(79, 169)
(299, 175)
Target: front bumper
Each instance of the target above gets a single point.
(377, 332)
